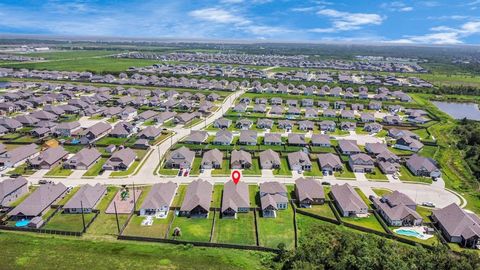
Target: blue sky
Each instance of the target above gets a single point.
(426, 22)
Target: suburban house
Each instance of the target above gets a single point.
(299, 161)
(422, 166)
(375, 148)
(398, 133)
(87, 197)
(240, 159)
(458, 225)
(309, 192)
(39, 202)
(83, 160)
(272, 139)
(285, 124)
(197, 199)
(196, 137)
(408, 143)
(120, 160)
(11, 190)
(147, 115)
(248, 137)
(348, 147)
(264, 123)
(222, 123)
(18, 155)
(223, 137)
(296, 139)
(269, 160)
(347, 201)
(361, 163)
(158, 201)
(181, 158)
(235, 199)
(273, 197)
(327, 125)
(372, 127)
(397, 209)
(212, 159)
(244, 124)
(48, 158)
(150, 133)
(94, 132)
(67, 129)
(329, 163)
(123, 130)
(321, 140)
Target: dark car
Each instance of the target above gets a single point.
(15, 175)
(42, 182)
(326, 183)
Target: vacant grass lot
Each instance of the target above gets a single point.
(273, 231)
(193, 229)
(59, 171)
(157, 230)
(323, 210)
(96, 168)
(33, 251)
(235, 231)
(370, 222)
(106, 224)
(68, 222)
(284, 170)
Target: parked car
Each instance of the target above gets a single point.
(15, 175)
(428, 204)
(326, 183)
(42, 182)
(180, 172)
(186, 173)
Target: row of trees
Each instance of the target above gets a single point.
(325, 246)
(468, 133)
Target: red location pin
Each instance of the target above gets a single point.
(236, 175)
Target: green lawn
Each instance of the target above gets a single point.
(376, 175)
(22, 198)
(273, 231)
(254, 196)
(323, 210)
(68, 222)
(428, 151)
(196, 166)
(128, 171)
(22, 169)
(381, 191)
(106, 141)
(38, 251)
(225, 170)
(193, 229)
(165, 171)
(363, 197)
(68, 196)
(315, 170)
(96, 168)
(217, 196)
(59, 171)
(370, 222)
(105, 225)
(345, 173)
(178, 199)
(157, 230)
(425, 212)
(254, 170)
(235, 231)
(284, 170)
(406, 175)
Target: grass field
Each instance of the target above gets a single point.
(59, 171)
(345, 173)
(370, 222)
(128, 171)
(33, 251)
(376, 175)
(315, 170)
(225, 170)
(157, 230)
(68, 222)
(22, 169)
(96, 168)
(235, 231)
(194, 229)
(254, 170)
(273, 231)
(323, 210)
(284, 170)
(406, 175)
(97, 65)
(381, 191)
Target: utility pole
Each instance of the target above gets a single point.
(116, 216)
(83, 217)
(134, 198)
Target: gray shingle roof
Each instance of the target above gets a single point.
(199, 193)
(87, 196)
(160, 195)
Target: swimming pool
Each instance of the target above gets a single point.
(22, 223)
(412, 233)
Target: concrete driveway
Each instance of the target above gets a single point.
(360, 177)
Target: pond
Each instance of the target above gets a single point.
(3, 84)
(459, 110)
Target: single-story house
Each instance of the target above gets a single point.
(347, 201)
(197, 199)
(309, 192)
(273, 197)
(235, 199)
(87, 197)
(159, 199)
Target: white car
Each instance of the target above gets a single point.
(428, 204)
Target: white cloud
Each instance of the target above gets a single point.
(218, 15)
(346, 21)
(444, 34)
(396, 6)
